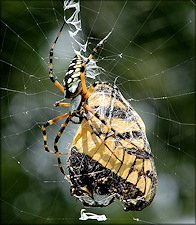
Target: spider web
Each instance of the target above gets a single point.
(150, 56)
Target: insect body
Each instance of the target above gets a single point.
(110, 156)
(116, 164)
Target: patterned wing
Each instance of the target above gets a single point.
(111, 166)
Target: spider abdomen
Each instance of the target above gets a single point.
(71, 82)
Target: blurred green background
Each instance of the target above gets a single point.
(150, 56)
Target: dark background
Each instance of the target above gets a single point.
(152, 52)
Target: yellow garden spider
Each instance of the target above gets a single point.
(74, 87)
(110, 155)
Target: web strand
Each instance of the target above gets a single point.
(149, 56)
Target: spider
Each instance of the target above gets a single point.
(75, 88)
(110, 155)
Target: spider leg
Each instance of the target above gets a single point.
(52, 78)
(50, 122)
(59, 103)
(93, 86)
(105, 123)
(56, 148)
(82, 75)
(63, 104)
(84, 115)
